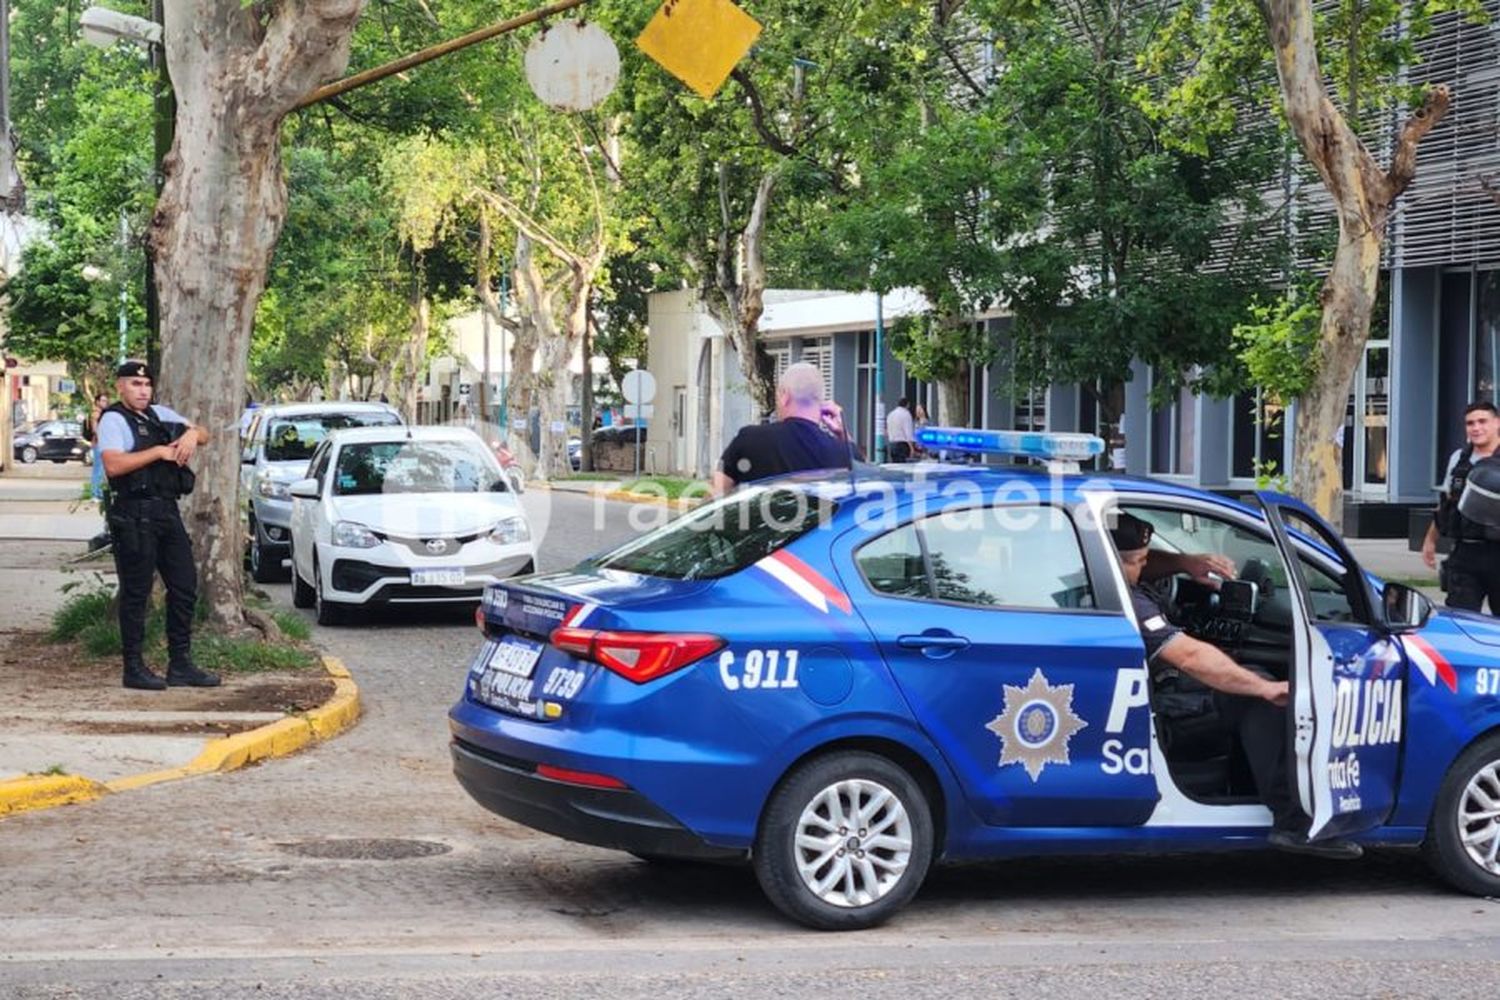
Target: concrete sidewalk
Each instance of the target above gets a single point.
(70, 732)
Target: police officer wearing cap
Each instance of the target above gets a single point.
(1252, 706)
(1472, 573)
(145, 450)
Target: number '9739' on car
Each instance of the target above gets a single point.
(844, 678)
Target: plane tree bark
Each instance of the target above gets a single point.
(1364, 195)
(237, 71)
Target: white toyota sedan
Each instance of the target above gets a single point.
(403, 515)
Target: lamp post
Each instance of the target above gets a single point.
(879, 378)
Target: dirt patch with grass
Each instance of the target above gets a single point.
(39, 676)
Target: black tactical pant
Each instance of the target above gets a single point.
(149, 538)
(1472, 574)
(1261, 728)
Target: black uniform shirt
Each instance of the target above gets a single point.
(1156, 630)
(790, 445)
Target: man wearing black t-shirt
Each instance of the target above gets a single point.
(808, 434)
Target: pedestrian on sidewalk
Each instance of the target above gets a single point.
(808, 434)
(96, 467)
(145, 450)
(900, 432)
(1472, 572)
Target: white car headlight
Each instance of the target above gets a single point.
(349, 535)
(273, 488)
(510, 531)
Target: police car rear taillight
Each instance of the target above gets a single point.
(636, 656)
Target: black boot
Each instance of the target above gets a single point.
(140, 677)
(184, 672)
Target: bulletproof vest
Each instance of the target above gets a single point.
(1451, 521)
(160, 479)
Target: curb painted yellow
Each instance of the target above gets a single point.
(43, 791)
(682, 503)
(275, 739)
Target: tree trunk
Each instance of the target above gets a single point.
(414, 351)
(740, 284)
(1363, 195)
(953, 400)
(523, 388)
(216, 224)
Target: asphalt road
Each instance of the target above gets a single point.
(361, 869)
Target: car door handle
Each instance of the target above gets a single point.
(934, 643)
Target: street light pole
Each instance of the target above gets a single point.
(124, 288)
(164, 121)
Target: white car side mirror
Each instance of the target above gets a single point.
(307, 489)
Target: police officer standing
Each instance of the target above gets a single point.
(1472, 572)
(145, 450)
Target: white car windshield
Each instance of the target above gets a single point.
(415, 467)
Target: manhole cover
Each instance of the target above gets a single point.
(365, 849)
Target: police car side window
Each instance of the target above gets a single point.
(993, 557)
(1007, 557)
(893, 564)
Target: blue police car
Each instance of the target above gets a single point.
(847, 676)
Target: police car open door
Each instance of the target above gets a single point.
(1346, 678)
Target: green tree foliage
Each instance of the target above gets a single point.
(78, 188)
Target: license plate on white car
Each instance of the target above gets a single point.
(445, 576)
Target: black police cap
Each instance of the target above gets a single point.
(1130, 532)
(133, 369)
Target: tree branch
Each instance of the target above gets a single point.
(522, 220)
(758, 115)
(1404, 161)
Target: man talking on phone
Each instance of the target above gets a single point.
(808, 434)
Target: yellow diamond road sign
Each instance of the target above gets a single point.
(699, 41)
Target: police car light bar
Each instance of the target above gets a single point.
(1030, 444)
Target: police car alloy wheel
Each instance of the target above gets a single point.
(845, 842)
(28, 454)
(1463, 841)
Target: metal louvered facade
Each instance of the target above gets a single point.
(1447, 216)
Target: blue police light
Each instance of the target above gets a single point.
(1028, 444)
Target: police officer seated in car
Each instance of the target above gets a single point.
(1472, 573)
(145, 450)
(1252, 706)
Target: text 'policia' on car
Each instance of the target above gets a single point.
(846, 676)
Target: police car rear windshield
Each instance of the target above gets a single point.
(293, 439)
(723, 537)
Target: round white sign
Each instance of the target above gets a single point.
(573, 65)
(638, 386)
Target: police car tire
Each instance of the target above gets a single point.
(28, 454)
(775, 860)
(1444, 845)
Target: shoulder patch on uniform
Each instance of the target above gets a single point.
(1154, 623)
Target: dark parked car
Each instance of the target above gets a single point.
(53, 440)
